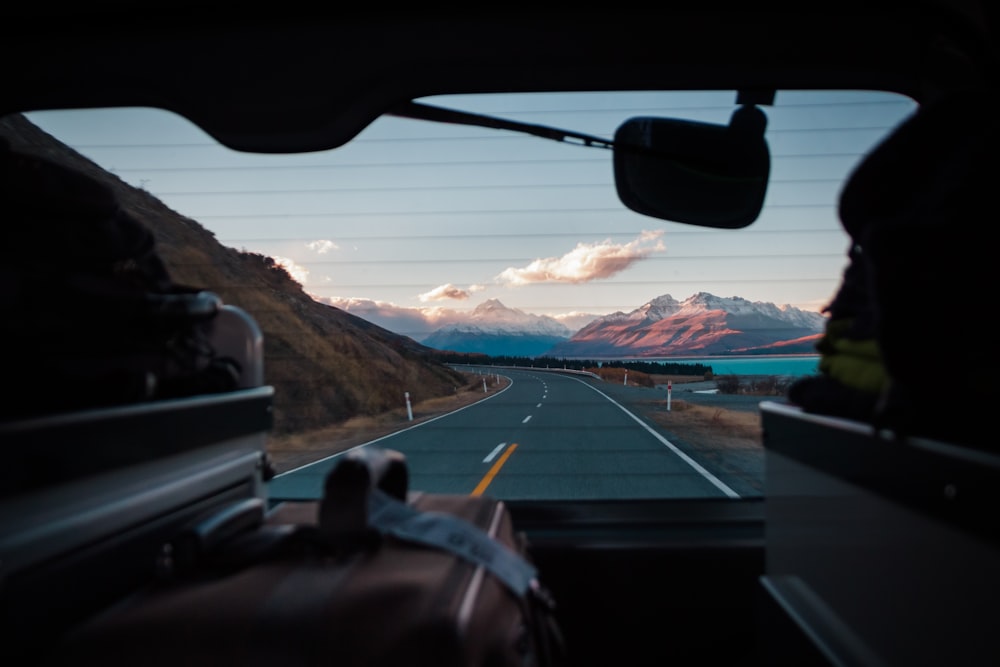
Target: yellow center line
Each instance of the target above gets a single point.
(478, 491)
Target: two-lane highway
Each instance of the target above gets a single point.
(546, 436)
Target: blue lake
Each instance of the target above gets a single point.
(760, 365)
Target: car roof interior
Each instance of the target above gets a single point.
(284, 78)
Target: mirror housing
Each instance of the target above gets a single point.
(692, 172)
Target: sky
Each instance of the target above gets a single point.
(413, 224)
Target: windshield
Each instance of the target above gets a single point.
(510, 326)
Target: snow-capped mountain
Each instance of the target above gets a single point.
(702, 324)
(494, 329)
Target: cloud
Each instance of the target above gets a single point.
(444, 292)
(585, 262)
(322, 246)
(299, 273)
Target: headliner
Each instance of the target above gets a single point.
(289, 81)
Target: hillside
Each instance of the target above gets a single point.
(326, 365)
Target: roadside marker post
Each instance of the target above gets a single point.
(670, 387)
(409, 408)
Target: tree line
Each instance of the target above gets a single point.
(650, 367)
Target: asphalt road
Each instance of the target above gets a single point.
(546, 436)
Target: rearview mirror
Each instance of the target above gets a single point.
(693, 172)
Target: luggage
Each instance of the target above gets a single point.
(371, 574)
(91, 316)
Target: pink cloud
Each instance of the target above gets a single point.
(444, 292)
(586, 262)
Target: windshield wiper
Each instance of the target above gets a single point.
(422, 111)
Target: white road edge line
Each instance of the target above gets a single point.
(684, 457)
(389, 435)
(496, 450)
(525, 420)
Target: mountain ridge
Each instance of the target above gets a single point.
(496, 330)
(702, 324)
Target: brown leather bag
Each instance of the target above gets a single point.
(443, 581)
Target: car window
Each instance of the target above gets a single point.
(481, 300)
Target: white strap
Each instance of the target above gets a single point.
(449, 532)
